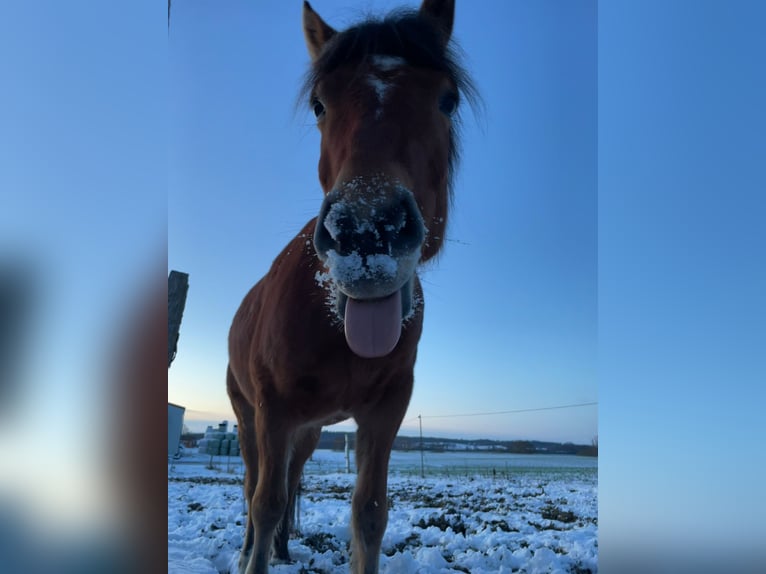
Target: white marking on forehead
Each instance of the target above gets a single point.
(381, 87)
(388, 63)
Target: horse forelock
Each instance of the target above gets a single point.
(402, 34)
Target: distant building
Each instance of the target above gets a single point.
(175, 426)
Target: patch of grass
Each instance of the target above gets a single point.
(442, 523)
(411, 540)
(321, 542)
(553, 512)
(550, 526)
(501, 525)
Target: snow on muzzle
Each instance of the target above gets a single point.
(369, 235)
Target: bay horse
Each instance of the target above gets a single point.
(331, 331)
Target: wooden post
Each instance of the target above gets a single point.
(178, 286)
(422, 466)
(348, 456)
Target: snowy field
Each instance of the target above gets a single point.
(473, 512)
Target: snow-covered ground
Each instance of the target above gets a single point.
(479, 513)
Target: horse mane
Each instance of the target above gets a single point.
(404, 34)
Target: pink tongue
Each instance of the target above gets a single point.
(373, 327)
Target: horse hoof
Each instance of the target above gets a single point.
(238, 563)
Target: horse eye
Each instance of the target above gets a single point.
(448, 103)
(318, 107)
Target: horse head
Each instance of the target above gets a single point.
(385, 95)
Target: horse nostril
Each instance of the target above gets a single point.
(332, 226)
(323, 242)
(392, 226)
(410, 229)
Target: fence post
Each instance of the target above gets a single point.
(348, 456)
(422, 466)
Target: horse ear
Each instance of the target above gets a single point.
(315, 30)
(442, 13)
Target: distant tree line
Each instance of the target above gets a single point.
(331, 440)
(337, 441)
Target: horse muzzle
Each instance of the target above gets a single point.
(369, 234)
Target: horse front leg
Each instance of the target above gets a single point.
(369, 505)
(268, 504)
(246, 427)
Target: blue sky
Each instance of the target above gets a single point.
(682, 278)
(511, 303)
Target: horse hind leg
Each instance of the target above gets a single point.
(246, 427)
(304, 443)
